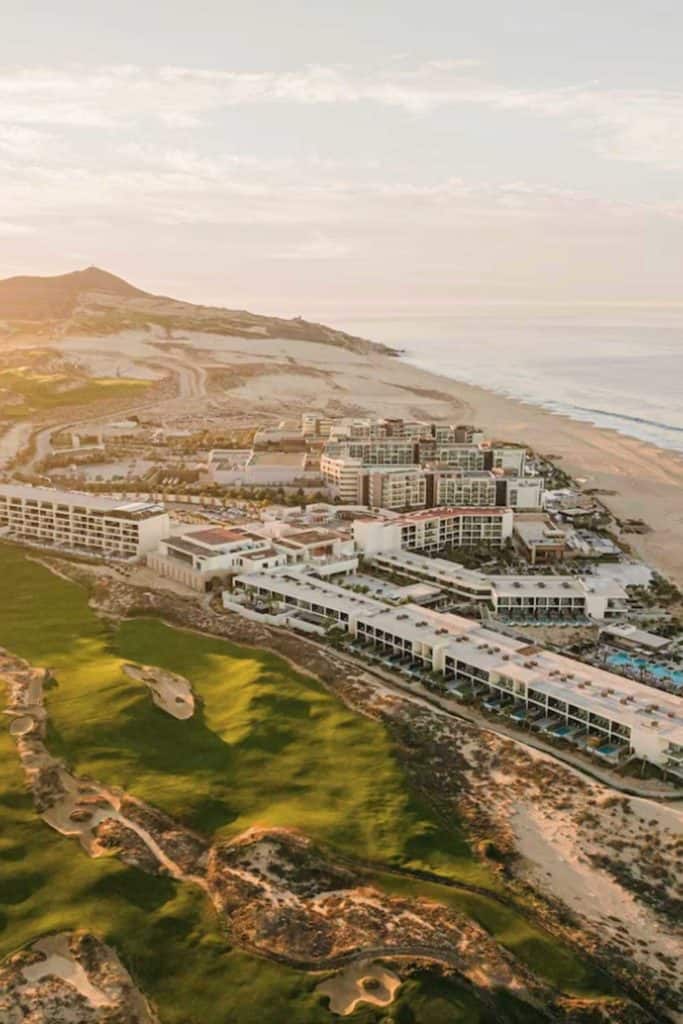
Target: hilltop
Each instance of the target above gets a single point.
(95, 302)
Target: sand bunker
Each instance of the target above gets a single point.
(20, 726)
(60, 962)
(70, 977)
(360, 983)
(170, 692)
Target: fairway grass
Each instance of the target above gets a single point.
(267, 746)
(41, 392)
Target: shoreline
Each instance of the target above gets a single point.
(546, 406)
(647, 480)
(276, 378)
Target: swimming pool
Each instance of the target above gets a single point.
(621, 659)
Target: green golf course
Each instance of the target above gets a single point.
(266, 746)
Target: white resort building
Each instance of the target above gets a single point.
(434, 529)
(610, 716)
(513, 597)
(78, 522)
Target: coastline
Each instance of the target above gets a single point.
(277, 378)
(648, 480)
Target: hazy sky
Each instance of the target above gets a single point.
(350, 157)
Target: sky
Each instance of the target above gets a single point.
(347, 159)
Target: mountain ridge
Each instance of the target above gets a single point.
(94, 301)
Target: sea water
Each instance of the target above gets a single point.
(616, 367)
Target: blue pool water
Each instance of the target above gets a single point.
(623, 660)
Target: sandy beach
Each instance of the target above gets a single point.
(225, 379)
(648, 481)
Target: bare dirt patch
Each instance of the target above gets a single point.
(360, 983)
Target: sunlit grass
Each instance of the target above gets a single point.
(41, 392)
(267, 745)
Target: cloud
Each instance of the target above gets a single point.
(632, 125)
(18, 141)
(105, 155)
(317, 247)
(11, 230)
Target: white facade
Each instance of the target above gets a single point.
(197, 556)
(600, 710)
(344, 475)
(434, 530)
(261, 469)
(477, 489)
(408, 487)
(524, 597)
(395, 488)
(82, 522)
(524, 492)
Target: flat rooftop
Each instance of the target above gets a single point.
(302, 587)
(538, 531)
(538, 586)
(609, 694)
(308, 537)
(95, 502)
(217, 536)
(447, 513)
(599, 690)
(637, 636)
(440, 569)
(275, 459)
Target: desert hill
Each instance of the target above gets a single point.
(95, 302)
(53, 298)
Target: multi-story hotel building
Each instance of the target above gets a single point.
(462, 488)
(393, 488)
(434, 529)
(81, 522)
(600, 711)
(415, 487)
(366, 428)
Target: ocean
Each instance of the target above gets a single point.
(615, 367)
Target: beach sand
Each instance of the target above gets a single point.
(274, 378)
(648, 481)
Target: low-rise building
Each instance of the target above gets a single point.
(513, 597)
(631, 638)
(588, 544)
(262, 468)
(203, 557)
(538, 539)
(308, 593)
(609, 715)
(76, 521)
(287, 433)
(557, 597)
(455, 580)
